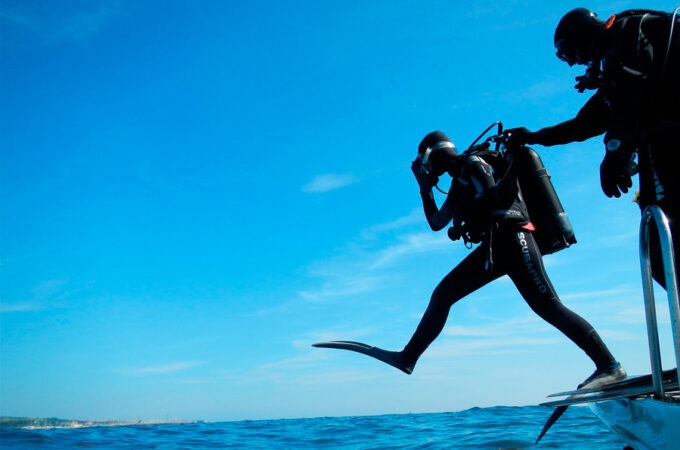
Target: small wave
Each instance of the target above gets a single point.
(477, 428)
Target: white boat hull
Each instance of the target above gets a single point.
(643, 423)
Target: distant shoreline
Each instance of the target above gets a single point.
(51, 422)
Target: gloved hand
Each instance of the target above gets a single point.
(590, 80)
(456, 231)
(425, 180)
(617, 168)
(519, 136)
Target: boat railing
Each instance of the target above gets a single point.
(654, 215)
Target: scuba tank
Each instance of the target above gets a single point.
(553, 228)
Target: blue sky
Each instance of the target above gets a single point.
(192, 193)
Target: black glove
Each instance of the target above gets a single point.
(590, 80)
(425, 180)
(456, 231)
(519, 136)
(617, 168)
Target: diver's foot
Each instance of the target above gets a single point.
(394, 359)
(602, 377)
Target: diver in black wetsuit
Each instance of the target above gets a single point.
(492, 214)
(633, 62)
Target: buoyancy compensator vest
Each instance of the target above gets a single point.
(553, 228)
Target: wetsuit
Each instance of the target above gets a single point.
(494, 215)
(637, 102)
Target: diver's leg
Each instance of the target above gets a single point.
(531, 279)
(468, 276)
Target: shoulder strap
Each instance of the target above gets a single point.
(640, 12)
(496, 160)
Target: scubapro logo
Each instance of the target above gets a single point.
(531, 267)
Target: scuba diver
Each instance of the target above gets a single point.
(633, 64)
(493, 214)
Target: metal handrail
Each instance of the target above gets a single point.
(655, 214)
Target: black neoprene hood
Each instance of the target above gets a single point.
(577, 29)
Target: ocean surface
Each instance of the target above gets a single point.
(477, 428)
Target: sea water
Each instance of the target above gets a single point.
(477, 428)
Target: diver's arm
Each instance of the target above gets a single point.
(590, 121)
(457, 206)
(436, 217)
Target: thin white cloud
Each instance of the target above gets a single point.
(408, 245)
(15, 19)
(162, 369)
(20, 307)
(352, 274)
(361, 268)
(357, 333)
(328, 182)
(56, 21)
(501, 345)
(49, 288)
(196, 381)
(47, 294)
(342, 285)
(414, 217)
(539, 91)
(617, 292)
(465, 331)
(522, 325)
